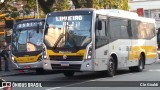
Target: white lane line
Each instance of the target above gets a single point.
(154, 70)
(3, 80)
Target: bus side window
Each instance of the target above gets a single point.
(129, 28)
(114, 28)
(101, 37)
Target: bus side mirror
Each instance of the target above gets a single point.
(37, 28)
(99, 25)
(30, 35)
(46, 29)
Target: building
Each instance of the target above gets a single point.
(151, 8)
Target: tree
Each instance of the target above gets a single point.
(117, 4)
(61, 5)
(46, 5)
(3, 4)
(53, 5)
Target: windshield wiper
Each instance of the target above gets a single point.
(74, 43)
(58, 40)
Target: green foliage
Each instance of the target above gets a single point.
(102, 4)
(111, 4)
(14, 14)
(47, 6)
(61, 5)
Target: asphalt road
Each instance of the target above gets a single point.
(123, 80)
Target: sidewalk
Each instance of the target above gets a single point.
(11, 68)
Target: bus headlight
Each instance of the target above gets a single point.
(45, 57)
(12, 58)
(89, 51)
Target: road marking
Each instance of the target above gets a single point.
(3, 80)
(53, 88)
(154, 70)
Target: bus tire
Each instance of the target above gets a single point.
(140, 66)
(39, 71)
(68, 73)
(111, 67)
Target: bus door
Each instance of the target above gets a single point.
(101, 43)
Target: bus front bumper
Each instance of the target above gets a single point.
(85, 65)
(34, 65)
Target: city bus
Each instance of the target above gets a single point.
(98, 40)
(27, 45)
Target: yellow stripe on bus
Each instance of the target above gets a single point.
(79, 53)
(27, 59)
(149, 51)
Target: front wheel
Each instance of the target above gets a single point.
(69, 73)
(111, 67)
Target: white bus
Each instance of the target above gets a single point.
(98, 40)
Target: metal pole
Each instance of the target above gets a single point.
(37, 9)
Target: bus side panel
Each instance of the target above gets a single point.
(120, 48)
(138, 46)
(151, 47)
(102, 57)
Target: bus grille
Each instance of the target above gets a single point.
(69, 58)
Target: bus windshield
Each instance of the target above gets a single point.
(68, 31)
(27, 40)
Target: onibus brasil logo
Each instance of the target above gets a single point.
(20, 84)
(6, 85)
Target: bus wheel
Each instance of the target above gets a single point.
(140, 66)
(68, 73)
(40, 71)
(111, 67)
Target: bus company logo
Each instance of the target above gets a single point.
(64, 57)
(6, 84)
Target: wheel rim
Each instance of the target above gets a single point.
(111, 67)
(141, 63)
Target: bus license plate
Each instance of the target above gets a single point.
(64, 64)
(27, 67)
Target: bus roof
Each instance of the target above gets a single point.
(124, 14)
(114, 12)
(30, 20)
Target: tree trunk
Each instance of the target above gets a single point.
(46, 5)
(90, 3)
(76, 3)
